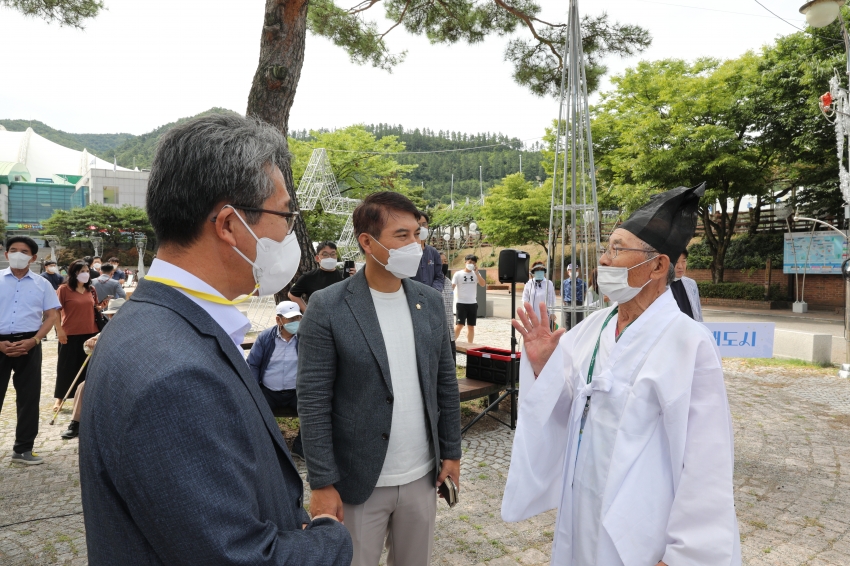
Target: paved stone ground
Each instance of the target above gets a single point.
(792, 433)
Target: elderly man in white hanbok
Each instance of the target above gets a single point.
(624, 424)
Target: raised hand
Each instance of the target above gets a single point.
(539, 341)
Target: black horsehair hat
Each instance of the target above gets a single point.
(668, 221)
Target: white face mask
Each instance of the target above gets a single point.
(423, 233)
(96, 266)
(614, 282)
(328, 264)
(470, 266)
(83, 277)
(276, 262)
(19, 260)
(404, 261)
(52, 269)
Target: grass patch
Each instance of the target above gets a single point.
(758, 524)
(461, 372)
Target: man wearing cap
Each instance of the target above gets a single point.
(624, 425)
(539, 289)
(274, 362)
(567, 293)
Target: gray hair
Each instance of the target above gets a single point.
(649, 250)
(206, 161)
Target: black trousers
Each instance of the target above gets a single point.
(25, 372)
(579, 317)
(283, 400)
(71, 358)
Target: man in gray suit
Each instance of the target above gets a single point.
(377, 393)
(181, 460)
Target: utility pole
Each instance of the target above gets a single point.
(520, 163)
(452, 197)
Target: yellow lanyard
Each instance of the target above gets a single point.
(199, 294)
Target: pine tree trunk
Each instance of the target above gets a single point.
(273, 91)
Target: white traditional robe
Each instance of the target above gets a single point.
(652, 477)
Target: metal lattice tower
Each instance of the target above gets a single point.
(319, 184)
(574, 212)
(347, 244)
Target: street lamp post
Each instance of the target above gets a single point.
(835, 104)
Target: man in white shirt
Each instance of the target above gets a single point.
(377, 393)
(28, 309)
(465, 282)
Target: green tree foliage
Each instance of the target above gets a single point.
(361, 163)
(537, 58)
(116, 225)
(72, 13)
(359, 160)
(793, 72)
(2, 229)
(671, 123)
(516, 213)
(459, 154)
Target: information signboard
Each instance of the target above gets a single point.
(743, 339)
(815, 252)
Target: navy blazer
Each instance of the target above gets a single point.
(262, 350)
(181, 459)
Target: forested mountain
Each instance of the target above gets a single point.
(94, 143)
(440, 154)
(497, 155)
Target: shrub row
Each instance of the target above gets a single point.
(739, 291)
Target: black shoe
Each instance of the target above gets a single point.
(298, 450)
(73, 431)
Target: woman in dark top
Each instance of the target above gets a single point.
(78, 302)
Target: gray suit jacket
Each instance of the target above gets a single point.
(345, 393)
(181, 460)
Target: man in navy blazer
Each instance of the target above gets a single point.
(181, 460)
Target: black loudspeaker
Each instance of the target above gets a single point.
(513, 266)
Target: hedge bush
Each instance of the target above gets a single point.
(745, 252)
(739, 291)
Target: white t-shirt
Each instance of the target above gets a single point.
(409, 454)
(466, 283)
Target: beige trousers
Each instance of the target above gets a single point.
(78, 402)
(402, 517)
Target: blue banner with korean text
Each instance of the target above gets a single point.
(743, 339)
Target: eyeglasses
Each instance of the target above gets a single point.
(290, 216)
(612, 251)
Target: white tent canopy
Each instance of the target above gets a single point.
(45, 158)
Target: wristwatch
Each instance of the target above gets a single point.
(37, 340)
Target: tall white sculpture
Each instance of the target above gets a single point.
(319, 185)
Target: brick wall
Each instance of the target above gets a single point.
(821, 290)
